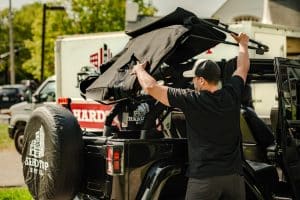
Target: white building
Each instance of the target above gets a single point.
(283, 12)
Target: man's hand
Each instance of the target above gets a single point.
(242, 38)
(138, 67)
(149, 84)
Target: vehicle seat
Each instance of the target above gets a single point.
(178, 126)
(266, 175)
(261, 132)
(257, 136)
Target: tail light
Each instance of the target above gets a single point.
(114, 160)
(65, 102)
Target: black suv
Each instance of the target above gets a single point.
(146, 157)
(11, 94)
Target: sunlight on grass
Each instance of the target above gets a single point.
(5, 141)
(19, 193)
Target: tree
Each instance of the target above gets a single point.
(4, 41)
(145, 9)
(84, 16)
(58, 23)
(23, 20)
(98, 15)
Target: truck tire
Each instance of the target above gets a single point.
(19, 139)
(53, 154)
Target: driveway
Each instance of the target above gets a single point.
(10, 168)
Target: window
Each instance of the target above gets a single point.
(48, 92)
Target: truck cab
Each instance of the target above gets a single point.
(20, 112)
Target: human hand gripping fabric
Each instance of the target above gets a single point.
(138, 67)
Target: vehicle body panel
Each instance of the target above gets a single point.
(11, 94)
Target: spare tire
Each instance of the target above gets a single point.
(53, 154)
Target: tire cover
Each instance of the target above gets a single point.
(52, 155)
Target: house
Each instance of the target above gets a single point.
(282, 12)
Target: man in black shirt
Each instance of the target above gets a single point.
(213, 124)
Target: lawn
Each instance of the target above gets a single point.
(5, 141)
(15, 193)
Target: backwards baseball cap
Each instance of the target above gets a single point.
(205, 68)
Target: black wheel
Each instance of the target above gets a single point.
(19, 139)
(52, 154)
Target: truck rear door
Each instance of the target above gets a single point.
(288, 128)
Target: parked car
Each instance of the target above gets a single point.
(20, 112)
(11, 94)
(146, 158)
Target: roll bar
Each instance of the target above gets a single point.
(260, 48)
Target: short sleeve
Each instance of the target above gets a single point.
(236, 86)
(178, 97)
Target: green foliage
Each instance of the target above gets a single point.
(57, 23)
(3, 37)
(20, 193)
(5, 141)
(145, 9)
(23, 20)
(98, 15)
(82, 16)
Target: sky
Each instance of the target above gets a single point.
(16, 3)
(202, 8)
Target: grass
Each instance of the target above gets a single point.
(18, 193)
(5, 141)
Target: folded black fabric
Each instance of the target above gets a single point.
(173, 39)
(116, 82)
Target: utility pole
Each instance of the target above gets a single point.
(11, 47)
(45, 8)
(43, 43)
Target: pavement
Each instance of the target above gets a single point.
(11, 173)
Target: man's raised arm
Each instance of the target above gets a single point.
(150, 85)
(243, 62)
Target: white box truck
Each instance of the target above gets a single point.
(75, 57)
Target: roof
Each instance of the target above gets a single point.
(282, 12)
(234, 8)
(285, 12)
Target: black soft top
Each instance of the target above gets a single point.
(173, 39)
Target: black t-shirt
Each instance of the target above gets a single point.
(213, 128)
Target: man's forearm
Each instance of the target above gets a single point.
(243, 58)
(146, 80)
(150, 86)
(243, 62)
